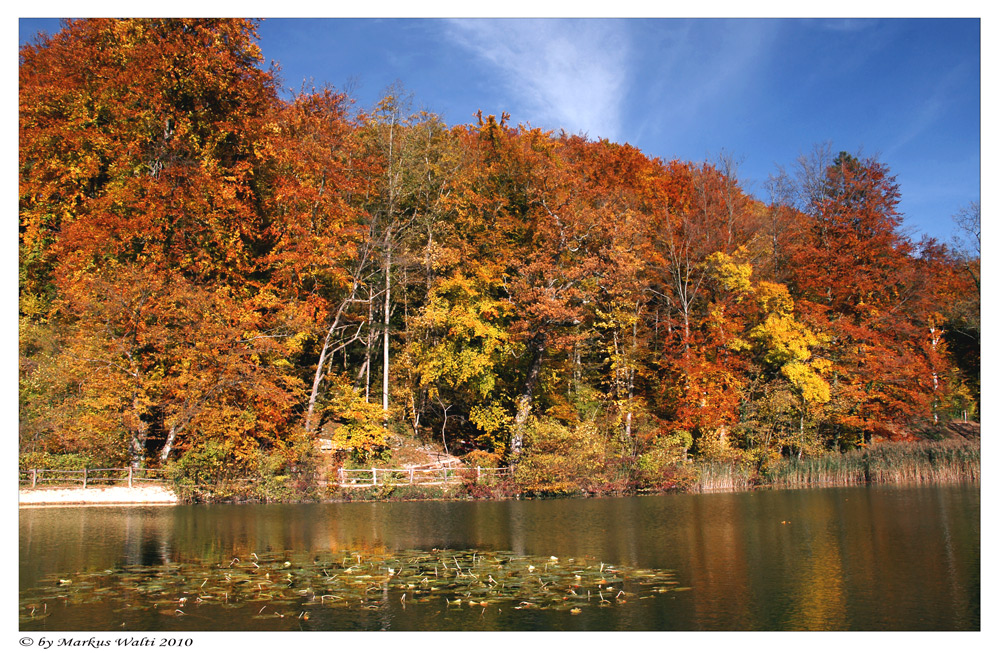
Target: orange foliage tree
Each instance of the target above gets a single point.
(203, 263)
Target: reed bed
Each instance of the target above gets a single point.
(931, 462)
(850, 468)
(714, 476)
(947, 461)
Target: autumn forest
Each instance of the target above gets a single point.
(206, 266)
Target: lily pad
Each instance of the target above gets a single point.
(462, 578)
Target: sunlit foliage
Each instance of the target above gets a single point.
(206, 267)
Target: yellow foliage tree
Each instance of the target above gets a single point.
(457, 348)
(766, 329)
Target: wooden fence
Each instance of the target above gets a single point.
(417, 476)
(345, 477)
(90, 477)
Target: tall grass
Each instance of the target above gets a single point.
(947, 461)
(850, 468)
(714, 476)
(930, 462)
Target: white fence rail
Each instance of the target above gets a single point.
(417, 476)
(368, 477)
(89, 476)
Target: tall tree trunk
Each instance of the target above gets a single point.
(630, 370)
(687, 330)
(317, 379)
(444, 424)
(935, 339)
(372, 336)
(536, 346)
(578, 369)
(323, 354)
(802, 431)
(385, 334)
(169, 445)
(137, 446)
(416, 409)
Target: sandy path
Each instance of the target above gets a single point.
(147, 494)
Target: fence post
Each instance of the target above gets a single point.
(34, 476)
(374, 478)
(478, 472)
(411, 476)
(130, 476)
(84, 478)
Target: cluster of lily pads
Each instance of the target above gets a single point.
(287, 587)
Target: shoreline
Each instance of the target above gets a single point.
(929, 463)
(164, 496)
(150, 495)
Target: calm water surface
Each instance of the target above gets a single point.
(821, 559)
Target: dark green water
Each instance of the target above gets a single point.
(879, 558)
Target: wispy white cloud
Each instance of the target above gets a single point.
(566, 74)
(700, 73)
(932, 108)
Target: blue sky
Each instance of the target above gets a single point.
(762, 90)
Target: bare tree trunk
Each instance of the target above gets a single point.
(416, 406)
(579, 369)
(169, 445)
(385, 334)
(368, 346)
(935, 339)
(444, 424)
(728, 165)
(537, 348)
(631, 384)
(317, 378)
(323, 354)
(137, 446)
(802, 431)
(687, 328)
(360, 376)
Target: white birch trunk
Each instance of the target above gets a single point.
(169, 445)
(385, 335)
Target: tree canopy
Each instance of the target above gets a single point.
(203, 263)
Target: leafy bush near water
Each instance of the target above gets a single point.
(397, 493)
(562, 459)
(60, 461)
(210, 473)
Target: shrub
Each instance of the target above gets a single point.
(480, 458)
(559, 459)
(66, 461)
(658, 466)
(209, 472)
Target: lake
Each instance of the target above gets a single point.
(866, 558)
